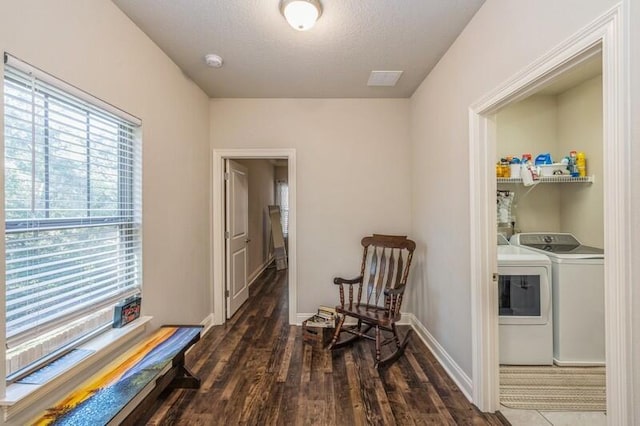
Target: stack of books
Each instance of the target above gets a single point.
(325, 318)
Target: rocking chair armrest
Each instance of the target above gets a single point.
(393, 291)
(340, 281)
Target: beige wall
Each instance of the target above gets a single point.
(530, 126)
(261, 195)
(502, 38)
(580, 129)
(94, 46)
(352, 175)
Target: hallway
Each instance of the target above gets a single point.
(255, 370)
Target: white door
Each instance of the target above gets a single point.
(236, 235)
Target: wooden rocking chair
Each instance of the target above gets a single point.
(384, 271)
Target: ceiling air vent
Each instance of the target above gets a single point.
(384, 78)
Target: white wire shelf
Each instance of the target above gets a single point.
(551, 179)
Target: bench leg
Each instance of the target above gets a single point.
(184, 378)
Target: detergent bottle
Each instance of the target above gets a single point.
(528, 171)
(581, 163)
(573, 166)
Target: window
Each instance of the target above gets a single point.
(72, 213)
(282, 200)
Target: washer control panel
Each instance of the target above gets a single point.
(548, 239)
(560, 243)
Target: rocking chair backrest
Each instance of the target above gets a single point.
(385, 265)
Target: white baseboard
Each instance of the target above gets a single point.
(454, 371)
(405, 319)
(251, 278)
(207, 323)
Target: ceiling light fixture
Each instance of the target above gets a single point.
(213, 60)
(301, 14)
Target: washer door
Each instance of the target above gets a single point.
(524, 295)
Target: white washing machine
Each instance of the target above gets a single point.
(578, 296)
(524, 306)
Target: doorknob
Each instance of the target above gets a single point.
(247, 240)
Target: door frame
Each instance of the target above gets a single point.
(217, 285)
(610, 32)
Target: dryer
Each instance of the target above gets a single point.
(578, 296)
(524, 306)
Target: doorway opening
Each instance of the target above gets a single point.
(606, 35)
(237, 270)
(551, 295)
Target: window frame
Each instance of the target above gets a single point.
(128, 220)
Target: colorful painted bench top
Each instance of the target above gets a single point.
(99, 400)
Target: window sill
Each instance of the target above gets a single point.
(19, 397)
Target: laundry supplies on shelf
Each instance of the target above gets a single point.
(572, 168)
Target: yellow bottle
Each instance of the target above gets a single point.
(581, 162)
(506, 170)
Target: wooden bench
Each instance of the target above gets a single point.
(126, 390)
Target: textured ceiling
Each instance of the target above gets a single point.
(265, 58)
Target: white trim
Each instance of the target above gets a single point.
(455, 372)
(255, 274)
(217, 228)
(610, 31)
(617, 219)
(483, 258)
(406, 318)
(207, 323)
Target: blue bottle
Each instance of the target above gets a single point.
(543, 159)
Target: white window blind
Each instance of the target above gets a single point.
(282, 200)
(72, 205)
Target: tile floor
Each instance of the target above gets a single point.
(553, 418)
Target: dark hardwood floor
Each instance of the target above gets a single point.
(255, 370)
